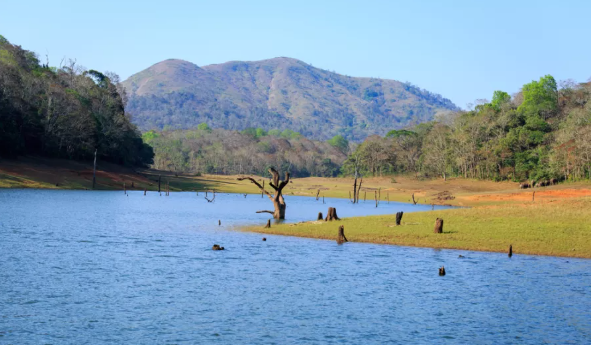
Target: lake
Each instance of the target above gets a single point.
(86, 267)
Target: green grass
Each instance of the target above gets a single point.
(557, 228)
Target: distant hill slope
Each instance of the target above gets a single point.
(280, 93)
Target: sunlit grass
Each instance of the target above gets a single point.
(558, 228)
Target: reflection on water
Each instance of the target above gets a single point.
(95, 267)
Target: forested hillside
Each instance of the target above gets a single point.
(541, 133)
(64, 112)
(279, 93)
(251, 151)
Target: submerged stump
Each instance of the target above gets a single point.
(320, 217)
(442, 271)
(341, 236)
(510, 251)
(217, 247)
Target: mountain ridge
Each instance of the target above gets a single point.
(281, 93)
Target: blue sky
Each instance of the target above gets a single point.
(463, 50)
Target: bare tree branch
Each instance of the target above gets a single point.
(265, 211)
(257, 184)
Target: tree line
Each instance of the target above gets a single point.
(251, 151)
(542, 132)
(64, 112)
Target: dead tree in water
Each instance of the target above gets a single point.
(212, 199)
(438, 226)
(332, 214)
(277, 199)
(268, 226)
(341, 237)
(320, 216)
(510, 250)
(317, 195)
(399, 217)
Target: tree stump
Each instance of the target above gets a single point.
(399, 217)
(217, 247)
(264, 239)
(438, 226)
(320, 217)
(268, 224)
(341, 237)
(442, 271)
(332, 214)
(510, 250)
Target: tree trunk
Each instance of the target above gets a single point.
(341, 236)
(399, 217)
(94, 171)
(320, 217)
(332, 214)
(277, 199)
(438, 226)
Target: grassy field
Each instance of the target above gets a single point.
(499, 214)
(559, 228)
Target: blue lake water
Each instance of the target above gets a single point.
(84, 267)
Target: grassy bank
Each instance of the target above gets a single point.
(559, 228)
(547, 227)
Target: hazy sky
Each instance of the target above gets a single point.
(463, 50)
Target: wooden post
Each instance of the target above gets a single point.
(318, 195)
(399, 217)
(438, 226)
(159, 178)
(268, 224)
(319, 216)
(219, 222)
(510, 250)
(124, 188)
(94, 171)
(341, 236)
(376, 197)
(145, 191)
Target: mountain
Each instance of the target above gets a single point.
(279, 93)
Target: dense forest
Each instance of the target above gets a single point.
(64, 112)
(542, 132)
(251, 151)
